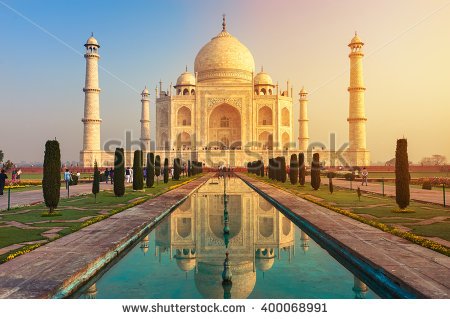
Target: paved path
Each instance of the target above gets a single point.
(414, 267)
(36, 196)
(62, 266)
(423, 195)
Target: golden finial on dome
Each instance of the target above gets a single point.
(224, 23)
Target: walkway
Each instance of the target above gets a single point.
(62, 266)
(418, 194)
(36, 196)
(424, 271)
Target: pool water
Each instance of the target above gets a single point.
(268, 255)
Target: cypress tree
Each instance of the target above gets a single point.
(166, 170)
(402, 177)
(96, 182)
(176, 169)
(301, 169)
(51, 181)
(315, 172)
(283, 176)
(189, 171)
(150, 170)
(138, 176)
(157, 167)
(119, 172)
(330, 176)
(271, 165)
(277, 168)
(261, 173)
(293, 172)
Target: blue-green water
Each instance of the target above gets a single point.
(269, 257)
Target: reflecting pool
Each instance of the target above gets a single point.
(185, 255)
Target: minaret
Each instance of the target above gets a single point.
(145, 121)
(91, 135)
(357, 117)
(303, 132)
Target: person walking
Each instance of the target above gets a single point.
(365, 174)
(19, 172)
(127, 175)
(131, 175)
(3, 178)
(171, 172)
(106, 175)
(111, 175)
(67, 178)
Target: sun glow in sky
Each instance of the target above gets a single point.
(406, 68)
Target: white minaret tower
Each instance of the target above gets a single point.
(145, 121)
(358, 154)
(91, 135)
(303, 131)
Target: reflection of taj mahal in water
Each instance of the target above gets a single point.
(224, 113)
(193, 234)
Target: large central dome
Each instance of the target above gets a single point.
(224, 58)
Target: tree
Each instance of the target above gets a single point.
(315, 172)
(189, 170)
(301, 169)
(119, 172)
(166, 170)
(330, 176)
(51, 181)
(157, 167)
(283, 175)
(8, 165)
(176, 169)
(434, 160)
(293, 171)
(150, 170)
(1, 156)
(138, 176)
(96, 182)
(402, 177)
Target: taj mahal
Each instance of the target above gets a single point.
(225, 114)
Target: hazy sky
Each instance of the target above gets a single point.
(406, 68)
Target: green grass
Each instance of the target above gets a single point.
(443, 229)
(382, 212)
(71, 209)
(413, 174)
(13, 235)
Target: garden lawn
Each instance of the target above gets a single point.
(378, 208)
(72, 213)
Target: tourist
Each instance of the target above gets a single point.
(106, 175)
(171, 172)
(364, 173)
(127, 175)
(19, 172)
(131, 175)
(111, 175)
(144, 173)
(3, 178)
(67, 177)
(13, 173)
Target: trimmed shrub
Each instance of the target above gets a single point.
(119, 172)
(176, 169)
(402, 177)
(427, 185)
(73, 179)
(301, 169)
(96, 182)
(315, 172)
(150, 170)
(283, 173)
(330, 176)
(51, 181)
(166, 170)
(349, 176)
(261, 173)
(138, 176)
(189, 170)
(293, 171)
(157, 167)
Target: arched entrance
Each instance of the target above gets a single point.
(266, 140)
(224, 127)
(183, 141)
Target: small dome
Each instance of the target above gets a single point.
(186, 78)
(262, 78)
(92, 41)
(145, 91)
(264, 264)
(303, 91)
(356, 40)
(186, 264)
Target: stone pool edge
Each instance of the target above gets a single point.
(357, 260)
